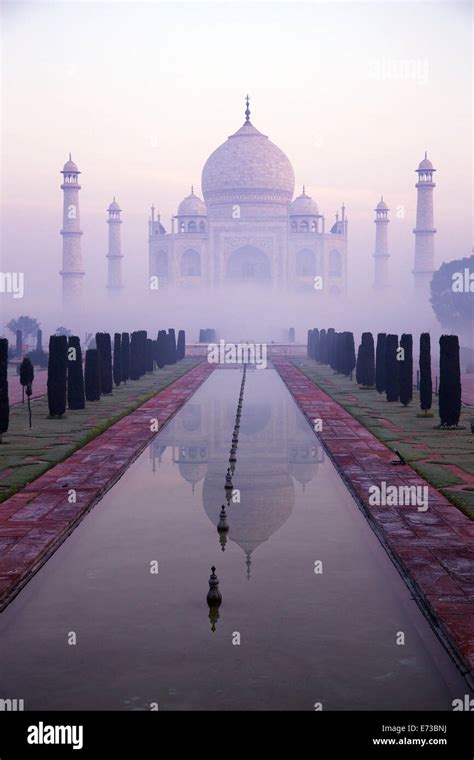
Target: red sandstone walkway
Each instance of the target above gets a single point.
(35, 521)
(434, 549)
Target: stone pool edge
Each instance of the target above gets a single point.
(416, 549)
(35, 521)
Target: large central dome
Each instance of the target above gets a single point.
(248, 167)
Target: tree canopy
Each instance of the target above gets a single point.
(452, 293)
(27, 325)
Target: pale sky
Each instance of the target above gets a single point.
(142, 93)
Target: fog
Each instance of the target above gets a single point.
(141, 94)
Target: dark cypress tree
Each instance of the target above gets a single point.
(323, 347)
(4, 401)
(359, 362)
(162, 349)
(142, 352)
(75, 378)
(365, 374)
(19, 343)
(104, 347)
(349, 351)
(331, 342)
(202, 336)
(291, 335)
(171, 356)
(405, 366)
(391, 368)
(134, 356)
(57, 375)
(39, 341)
(335, 351)
(117, 365)
(150, 366)
(27, 375)
(316, 344)
(449, 394)
(181, 345)
(380, 363)
(426, 385)
(125, 357)
(338, 352)
(308, 345)
(92, 375)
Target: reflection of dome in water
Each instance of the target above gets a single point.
(302, 472)
(303, 461)
(267, 498)
(192, 462)
(192, 472)
(255, 416)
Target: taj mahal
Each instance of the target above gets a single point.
(248, 229)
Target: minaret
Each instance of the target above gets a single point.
(72, 271)
(424, 230)
(114, 256)
(381, 255)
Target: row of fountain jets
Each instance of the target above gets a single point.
(214, 596)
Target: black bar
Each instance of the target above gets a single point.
(136, 735)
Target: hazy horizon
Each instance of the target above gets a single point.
(142, 93)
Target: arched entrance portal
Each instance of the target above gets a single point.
(249, 264)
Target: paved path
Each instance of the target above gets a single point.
(35, 521)
(433, 549)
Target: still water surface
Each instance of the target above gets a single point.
(147, 638)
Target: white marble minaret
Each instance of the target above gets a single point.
(381, 255)
(424, 230)
(114, 256)
(72, 272)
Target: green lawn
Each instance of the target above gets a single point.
(25, 454)
(427, 450)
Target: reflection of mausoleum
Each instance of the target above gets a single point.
(284, 455)
(249, 229)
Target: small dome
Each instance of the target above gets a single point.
(70, 166)
(304, 205)
(114, 206)
(192, 205)
(381, 205)
(425, 165)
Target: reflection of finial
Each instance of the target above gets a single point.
(426, 154)
(304, 190)
(337, 216)
(213, 617)
(192, 189)
(248, 562)
(70, 157)
(214, 597)
(247, 110)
